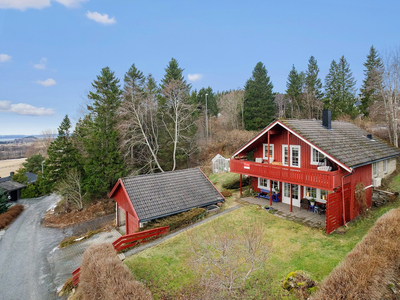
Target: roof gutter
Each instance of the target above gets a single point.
(376, 160)
(180, 211)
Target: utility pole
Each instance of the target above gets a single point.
(206, 119)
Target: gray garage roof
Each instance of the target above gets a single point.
(8, 185)
(346, 142)
(162, 194)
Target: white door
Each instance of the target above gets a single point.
(295, 194)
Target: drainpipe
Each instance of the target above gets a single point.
(344, 216)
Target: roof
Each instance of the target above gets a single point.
(8, 185)
(162, 194)
(345, 142)
(32, 177)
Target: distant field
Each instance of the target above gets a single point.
(10, 165)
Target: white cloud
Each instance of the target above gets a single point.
(37, 4)
(5, 105)
(195, 77)
(25, 109)
(24, 4)
(42, 64)
(5, 57)
(47, 82)
(71, 3)
(103, 19)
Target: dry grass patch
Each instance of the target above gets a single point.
(8, 217)
(370, 267)
(60, 218)
(103, 276)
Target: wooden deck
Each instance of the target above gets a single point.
(325, 180)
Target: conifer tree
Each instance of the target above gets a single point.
(293, 92)
(63, 156)
(340, 89)
(104, 163)
(259, 108)
(174, 72)
(372, 80)
(313, 86)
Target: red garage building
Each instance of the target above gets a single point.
(143, 198)
(296, 160)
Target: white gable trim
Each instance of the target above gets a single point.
(297, 135)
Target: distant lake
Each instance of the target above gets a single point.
(6, 139)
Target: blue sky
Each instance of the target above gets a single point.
(51, 50)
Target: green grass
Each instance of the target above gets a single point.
(165, 269)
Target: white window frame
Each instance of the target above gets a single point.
(291, 155)
(318, 197)
(268, 187)
(271, 151)
(385, 166)
(312, 162)
(260, 186)
(374, 169)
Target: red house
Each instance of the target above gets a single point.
(308, 159)
(144, 198)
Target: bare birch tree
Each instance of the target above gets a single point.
(226, 257)
(70, 189)
(390, 91)
(139, 127)
(177, 116)
(232, 109)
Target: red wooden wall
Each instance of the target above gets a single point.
(280, 138)
(334, 208)
(123, 201)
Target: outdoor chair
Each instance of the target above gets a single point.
(304, 203)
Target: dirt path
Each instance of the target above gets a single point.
(10, 165)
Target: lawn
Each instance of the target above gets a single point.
(166, 271)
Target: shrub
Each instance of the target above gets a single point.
(3, 202)
(103, 276)
(8, 217)
(235, 183)
(370, 266)
(226, 193)
(178, 220)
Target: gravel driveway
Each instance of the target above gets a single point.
(25, 271)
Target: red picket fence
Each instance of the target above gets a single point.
(127, 241)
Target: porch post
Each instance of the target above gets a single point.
(116, 215)
(268, 148)
(240, 185)
(291, 199)
(288, 149)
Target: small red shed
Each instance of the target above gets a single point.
(143, 198)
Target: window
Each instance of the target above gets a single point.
(316, 157)
(295, 191)
(294, 155)
(275, 185)
(317, 194)
(323, 195)
(271, 151)
(266, 184)
(263, 183)
(311, 192)
(385, 166)
(375, 169)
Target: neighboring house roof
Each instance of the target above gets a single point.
(162, 194)
(345, 142)
(8, 185)
(32, 177)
